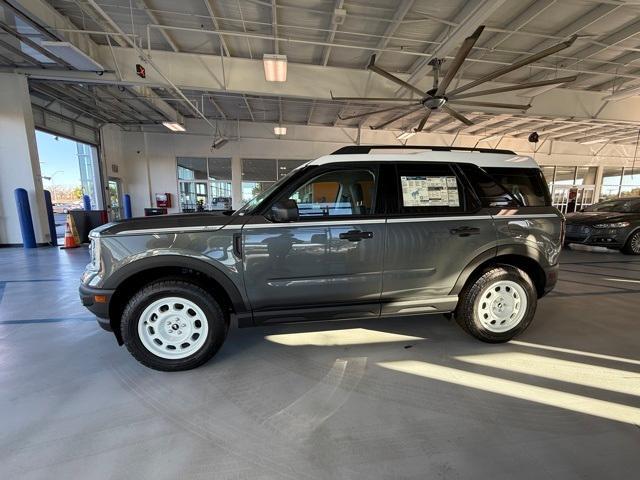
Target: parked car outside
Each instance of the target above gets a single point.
(612, 223)
(466, 233)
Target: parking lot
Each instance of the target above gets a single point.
(400, 397)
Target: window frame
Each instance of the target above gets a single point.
(314, 172)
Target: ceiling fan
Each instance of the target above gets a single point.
(438, 98)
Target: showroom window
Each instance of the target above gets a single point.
(341, 192)
(620, 182)
(204, 184)
(259, 174)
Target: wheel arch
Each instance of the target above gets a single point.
(518, 256)
(130, 278)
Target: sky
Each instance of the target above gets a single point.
(58, 156)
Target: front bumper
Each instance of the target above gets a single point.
(97, 301)
(601, 237)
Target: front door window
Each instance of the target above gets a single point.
(341, 192)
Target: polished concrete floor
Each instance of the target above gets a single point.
(398, 398)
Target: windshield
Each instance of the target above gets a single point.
(616, 206)
(252, 204)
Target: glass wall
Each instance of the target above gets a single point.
(204, 184)
(259, 174)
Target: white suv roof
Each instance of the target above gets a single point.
(482, 158)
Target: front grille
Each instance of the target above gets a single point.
(578, 231)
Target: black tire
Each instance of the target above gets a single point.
(217, 325)
(468, 317)
(632, 247)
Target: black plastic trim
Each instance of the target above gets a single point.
(120, 275)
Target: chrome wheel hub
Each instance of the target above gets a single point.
(173, 328)
(501, 306)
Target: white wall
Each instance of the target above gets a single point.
(19, 163)
(147, 160)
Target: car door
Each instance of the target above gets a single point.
(434, 229)
(328, 263)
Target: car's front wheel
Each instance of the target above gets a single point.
(498, 305)
(173, 325)
(632, 247)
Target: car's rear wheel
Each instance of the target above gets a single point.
(173, 325)
(632, 247)
(498, 305)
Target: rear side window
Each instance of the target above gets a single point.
(527, 185)
(490, 193)
(429, 188)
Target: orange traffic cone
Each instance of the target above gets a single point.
(71, 237)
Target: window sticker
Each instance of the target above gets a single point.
(423, 191)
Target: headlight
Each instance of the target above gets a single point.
(94, 249)
(613, 225)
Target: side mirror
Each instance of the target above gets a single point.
(284, 211)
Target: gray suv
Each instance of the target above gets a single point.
(361, 233)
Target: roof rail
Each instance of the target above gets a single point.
(364, 149)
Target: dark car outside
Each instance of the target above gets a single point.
(612, 223)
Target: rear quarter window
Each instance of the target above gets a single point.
(527, 185)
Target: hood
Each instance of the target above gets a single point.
(592, 218)
(159, 223)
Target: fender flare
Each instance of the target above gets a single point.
(494, 252)
(238, 301)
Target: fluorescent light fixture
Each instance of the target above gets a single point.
(275, 67)
(73, 56)
(629, 92)
(280, 130)
(174, 127)
(591, 142)
(406, 135)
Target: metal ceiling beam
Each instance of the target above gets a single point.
(142, 4)
(326, 52)
(615, 81)
(473, 14)
(214, 20)
(573, 28)
(217, 107)
(399, 15)
(246, 102)
(53, 95)
(274, 27)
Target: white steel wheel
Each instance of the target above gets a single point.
(173, 328)
(501, 306)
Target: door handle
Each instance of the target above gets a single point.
(464, 231)
(355, 235)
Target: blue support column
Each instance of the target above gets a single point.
(24, 214)
(127, 206)
(51, 218)
(86, 199)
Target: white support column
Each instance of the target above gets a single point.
(19, 163)
(236, 181)
(599, 175)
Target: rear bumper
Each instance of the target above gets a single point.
(97, 302)
(551, 278)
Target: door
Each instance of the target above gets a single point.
(434, 230)
(326, 265)
(115, 198)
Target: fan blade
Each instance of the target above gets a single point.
(514, 87)
(423, 122)
(391, 77)
(373, 112)
(510, 68)
(473, 103)
(457, 115)
(396, 118)
(460, 57)
(374, 99)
